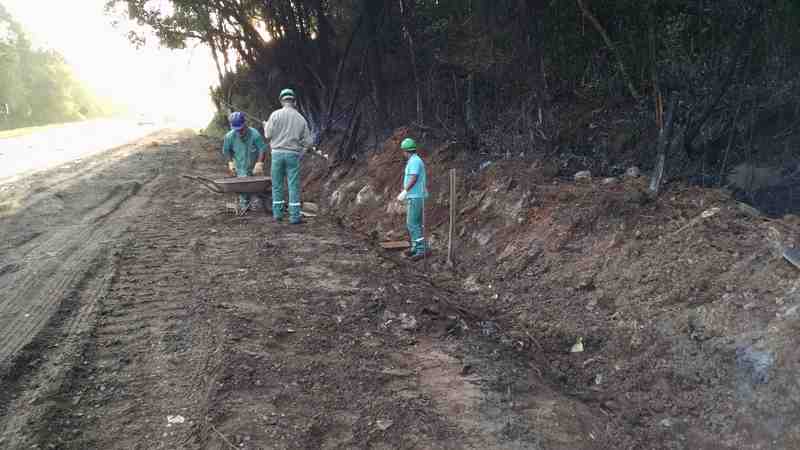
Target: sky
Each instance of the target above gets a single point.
(152, 80)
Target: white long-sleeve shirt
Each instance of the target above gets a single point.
(287, 130)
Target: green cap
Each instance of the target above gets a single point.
(408, 145)
(286, 93)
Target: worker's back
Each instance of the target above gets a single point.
(287, 129)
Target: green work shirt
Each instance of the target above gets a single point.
(244, 151)
(415, 166)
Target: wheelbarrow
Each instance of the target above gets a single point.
(246, 185)
(235, 185)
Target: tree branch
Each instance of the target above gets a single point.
(610, 44)
(723, 83)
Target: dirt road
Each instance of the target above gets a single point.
(51, 146)
(136, 313)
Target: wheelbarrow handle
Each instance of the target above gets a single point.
(206, 183)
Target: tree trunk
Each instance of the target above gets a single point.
(325, 37)
(375, 14)
(610, 44)
(351, 141)
(657, 98)
(722, 84)
(664, 139)
(333, 96)
(215, 56)
(532, 26)
(407, 12)
(471, 113)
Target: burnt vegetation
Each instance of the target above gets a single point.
(584, 83)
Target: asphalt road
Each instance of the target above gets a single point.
(24, 155)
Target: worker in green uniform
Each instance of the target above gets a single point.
(244, 148)
(414, 194)
(289, 138)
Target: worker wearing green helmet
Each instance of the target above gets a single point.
(289, 137)
(414, 194)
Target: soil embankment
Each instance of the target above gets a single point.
(687, 311)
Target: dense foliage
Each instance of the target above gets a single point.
(509, 77)
(37, 86)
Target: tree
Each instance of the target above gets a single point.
(37, 86)
(497, 73)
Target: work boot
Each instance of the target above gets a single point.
(296, 222)
(420, 255)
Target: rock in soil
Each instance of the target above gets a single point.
(583, 176)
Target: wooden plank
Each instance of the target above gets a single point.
(395, 245)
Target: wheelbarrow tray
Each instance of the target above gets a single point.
(234, 184)
(244, 184)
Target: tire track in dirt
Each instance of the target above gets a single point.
(63, 271)
(148, 356)
(57, 246)
(65, 256)
(35, 374)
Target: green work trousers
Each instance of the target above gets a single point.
(414, 223)
(286, 167)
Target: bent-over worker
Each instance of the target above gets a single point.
(245, 150)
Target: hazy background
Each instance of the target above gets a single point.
(151, 81)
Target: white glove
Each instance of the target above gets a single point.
(313, 149)
(258, 170)
(402, 196)
(231, 168)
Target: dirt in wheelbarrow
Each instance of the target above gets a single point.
(138, 313)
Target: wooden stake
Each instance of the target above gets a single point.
(452, 217)
(664, 140)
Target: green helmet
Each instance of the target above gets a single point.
(286, 93)
(408, 145)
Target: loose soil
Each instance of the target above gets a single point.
(138, 313)
(687, 311)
